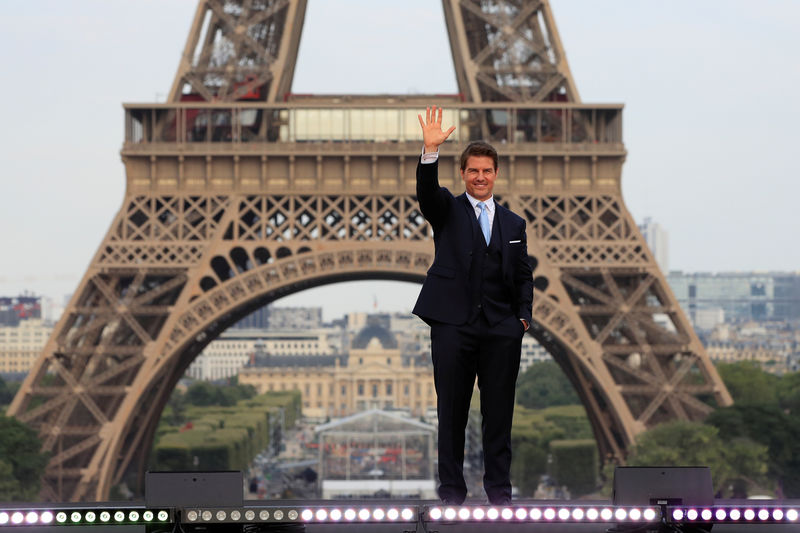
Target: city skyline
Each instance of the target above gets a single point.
(75, 68)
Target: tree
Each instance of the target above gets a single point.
(748, 384)
(736, 463)
(771, 427)
(545, 385)
(21, 463)
(7, 392)
(789, 392)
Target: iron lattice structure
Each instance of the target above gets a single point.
(238, 194)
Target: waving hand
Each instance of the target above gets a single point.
(432, 134)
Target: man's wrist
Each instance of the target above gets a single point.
(429, 149)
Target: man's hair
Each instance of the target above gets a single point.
(479, 149)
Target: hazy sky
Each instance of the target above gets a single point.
(710, 123)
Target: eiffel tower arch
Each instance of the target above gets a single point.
(239, 193)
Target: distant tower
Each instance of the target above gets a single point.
(657, 239)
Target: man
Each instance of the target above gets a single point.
(477, 298)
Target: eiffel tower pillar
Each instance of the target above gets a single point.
(238, 193)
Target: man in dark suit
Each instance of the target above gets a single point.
(477, 298)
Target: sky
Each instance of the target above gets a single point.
(710, 90)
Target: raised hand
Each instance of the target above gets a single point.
(432, 134)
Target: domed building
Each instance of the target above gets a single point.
(374, 375)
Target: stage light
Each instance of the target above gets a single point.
(463, 513)
(4, 518)
(292, 515)
(75, 517)
(147, 516)
(478, 513)
(536, 514)
(263, 515)
(735, 514)
(105, 516)
(249, 515)
(322, 514)
(61, 517)
(492, 513)
(90, 516)
(720, 514)
(278, 515)
(521, 514)
(363, 514)
(777, 514)
(394, 514)
(17, 518)
(705, 514)
(691, 514)
(236, 515)
(407, 514)
(763, 514)
(336, 515)
(563, 514)
(578, 514)
(449, 513)
(649, 515)
(378, 514)
(119, 516)
(46, 517)
(507, 513)
(635, 515)
(606, 514)
(749, 514)
(620, 514)
(32, 517)
(549, 513)
(677, 515)
(350, 514)
(791, 515)
(592, 514)
(435, 513)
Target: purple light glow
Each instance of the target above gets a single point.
(692, 514)
(763, 514)
(735, 514)
(677, 515)
(749, 514)
(706, 514)
(791, 515)
(721, 514)
(777, 514)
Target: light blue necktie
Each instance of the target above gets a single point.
(483, 220)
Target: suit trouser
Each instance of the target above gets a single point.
(460, 353)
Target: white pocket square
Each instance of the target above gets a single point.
(515, 242)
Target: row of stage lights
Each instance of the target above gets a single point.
(766, 514)
(518, 513)
(83, 517)
(773, 515)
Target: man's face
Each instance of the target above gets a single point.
(479, 176)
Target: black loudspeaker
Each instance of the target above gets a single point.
(194, 489)
(663, 485)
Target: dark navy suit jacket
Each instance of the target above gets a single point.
(445, 294)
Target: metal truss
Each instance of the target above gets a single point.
(215, 226)
(508, 50)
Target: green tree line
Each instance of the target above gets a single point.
(750, 447)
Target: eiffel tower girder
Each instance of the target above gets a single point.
(235, 198)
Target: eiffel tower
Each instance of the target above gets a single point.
(239, 193)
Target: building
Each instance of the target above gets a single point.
(225, 356)
(377, 454)
(22, 344)
(15, 309)
(532, 352)
(657, 239)
(742, 296)
(772, 357)
(373, 375)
